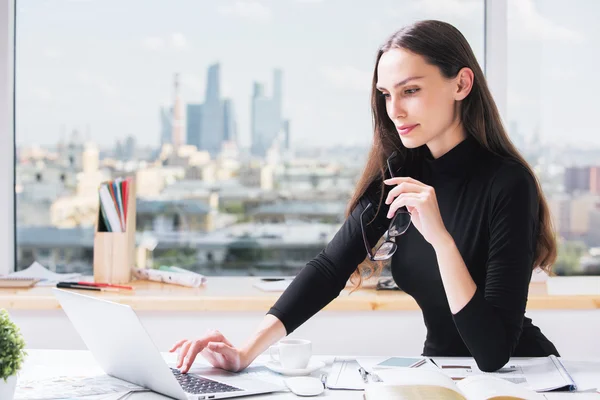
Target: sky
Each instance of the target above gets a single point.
(106, 66)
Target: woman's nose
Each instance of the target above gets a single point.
(397, 109)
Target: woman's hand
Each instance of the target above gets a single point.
(215, 348)
(421, 202)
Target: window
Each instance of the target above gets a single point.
(218, 109)
(553, 50)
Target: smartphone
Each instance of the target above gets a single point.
(401, 362)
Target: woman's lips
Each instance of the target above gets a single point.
(405, 129)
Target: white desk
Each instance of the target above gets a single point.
(47, 363)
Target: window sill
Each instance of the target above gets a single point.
(238, 294)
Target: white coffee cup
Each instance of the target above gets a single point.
(292, 353)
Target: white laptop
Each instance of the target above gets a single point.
(120, 344)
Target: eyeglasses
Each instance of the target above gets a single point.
(399, 224)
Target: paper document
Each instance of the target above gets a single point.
(542, 374)
(47, 277)
(345, 375)
(72, 387)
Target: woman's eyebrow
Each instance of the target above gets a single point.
(403, 82)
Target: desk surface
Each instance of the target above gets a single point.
(239, 294)
(52, 363)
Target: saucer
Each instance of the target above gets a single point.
(312, 366)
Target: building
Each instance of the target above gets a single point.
(266, 120)
(582, 180)
(60, 250)
(560, 210)
(229, 124)
(166, 114)
(211, 124)
(172, 216)
(325, 212)
(194, 124)
(177, 117)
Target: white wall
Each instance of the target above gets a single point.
(574, 332)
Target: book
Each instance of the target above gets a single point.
(415, 384)
(110, 209)
(17, 282)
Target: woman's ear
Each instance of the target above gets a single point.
(464, 83)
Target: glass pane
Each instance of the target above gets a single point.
(245, 123)
(553, 51)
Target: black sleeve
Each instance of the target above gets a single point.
(491, 323)
(324, 277)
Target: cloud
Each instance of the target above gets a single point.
(52, 53)
(464, 9)
(524, 17)
(247, 9)
(153, 43)
(178, 41)
(348, 77)
(97, 82)
(175, 41)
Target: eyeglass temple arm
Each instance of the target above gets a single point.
(364, 233)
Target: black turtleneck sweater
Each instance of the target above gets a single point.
(490, 207)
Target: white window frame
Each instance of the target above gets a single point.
(495, 49)
(7, 137)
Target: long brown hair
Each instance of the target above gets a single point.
(442, 45)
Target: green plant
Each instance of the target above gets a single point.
(11, 346)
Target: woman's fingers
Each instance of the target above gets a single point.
(405, 199)
(189, 359)
(222, 348)
(189, 349)
(399, 180)
(183, 353)
(177, 345)
(404, 187)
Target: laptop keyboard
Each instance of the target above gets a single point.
(197, 385)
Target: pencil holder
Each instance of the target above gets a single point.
(114, 252)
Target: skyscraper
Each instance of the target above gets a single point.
(267, 122)
(286, 134)
(194, 124)
(212, 122)
(229, 125)
(177, 120)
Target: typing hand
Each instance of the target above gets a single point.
(215, 348)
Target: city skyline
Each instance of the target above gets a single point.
(116, 80)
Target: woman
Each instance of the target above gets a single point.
(472, 217)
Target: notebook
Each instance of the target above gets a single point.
(17, 282)
(430, 384)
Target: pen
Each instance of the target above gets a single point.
(104, 285)
(75, 285)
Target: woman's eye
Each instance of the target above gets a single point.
(411, 91)
(385, 95)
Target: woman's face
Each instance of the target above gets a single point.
(419, 100)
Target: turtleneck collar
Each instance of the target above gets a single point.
(456, 161)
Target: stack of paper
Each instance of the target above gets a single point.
(113, 204)
(45, 276)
